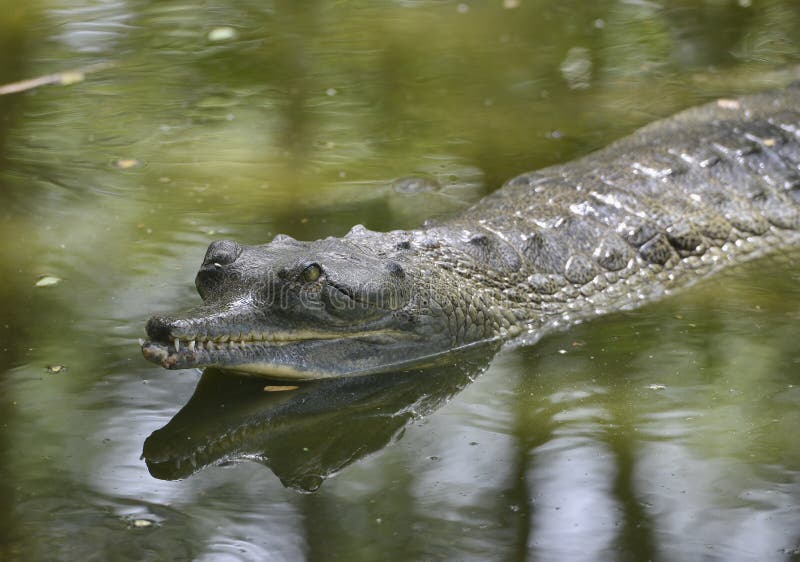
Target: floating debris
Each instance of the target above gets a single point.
(728, 104)
(48, 281)
(278, 388)
(127, 163)
(511, 4)
(576, 68)
(55, 369)
(142, 523)
(220, 34)
(657, 386)
(65, 78)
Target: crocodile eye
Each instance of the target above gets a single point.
(312, 272)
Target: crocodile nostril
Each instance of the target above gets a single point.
(222, 252)
(395, 269)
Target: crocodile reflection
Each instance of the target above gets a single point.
(303, 435)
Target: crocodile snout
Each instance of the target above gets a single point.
(163, 328)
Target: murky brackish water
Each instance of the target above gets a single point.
(667, 433)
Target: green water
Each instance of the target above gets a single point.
(667, 433)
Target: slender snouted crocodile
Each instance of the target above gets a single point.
(675, 202)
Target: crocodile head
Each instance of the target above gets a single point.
(304, 310)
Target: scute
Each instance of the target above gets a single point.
(657, 250)
(746, 220)
(491, 251)
(685, 237)
(613, 253)
(545, 284)
(637, 231)
(580, 269)
(543, 253)
(715, 226)
(780, 212)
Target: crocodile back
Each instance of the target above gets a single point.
(716, 182)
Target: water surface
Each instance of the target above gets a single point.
(666, 433)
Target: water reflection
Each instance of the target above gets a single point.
(305, 433)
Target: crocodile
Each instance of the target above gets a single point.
(654, 212)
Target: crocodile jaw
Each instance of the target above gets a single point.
(282, 355)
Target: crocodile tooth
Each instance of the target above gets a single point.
(209, 345)
(177, 344)
(191, 345)
(178, 463)
(193, 460)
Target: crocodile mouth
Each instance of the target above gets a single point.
(181, 351)
(276, 354)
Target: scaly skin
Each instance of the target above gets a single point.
(674, 202)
